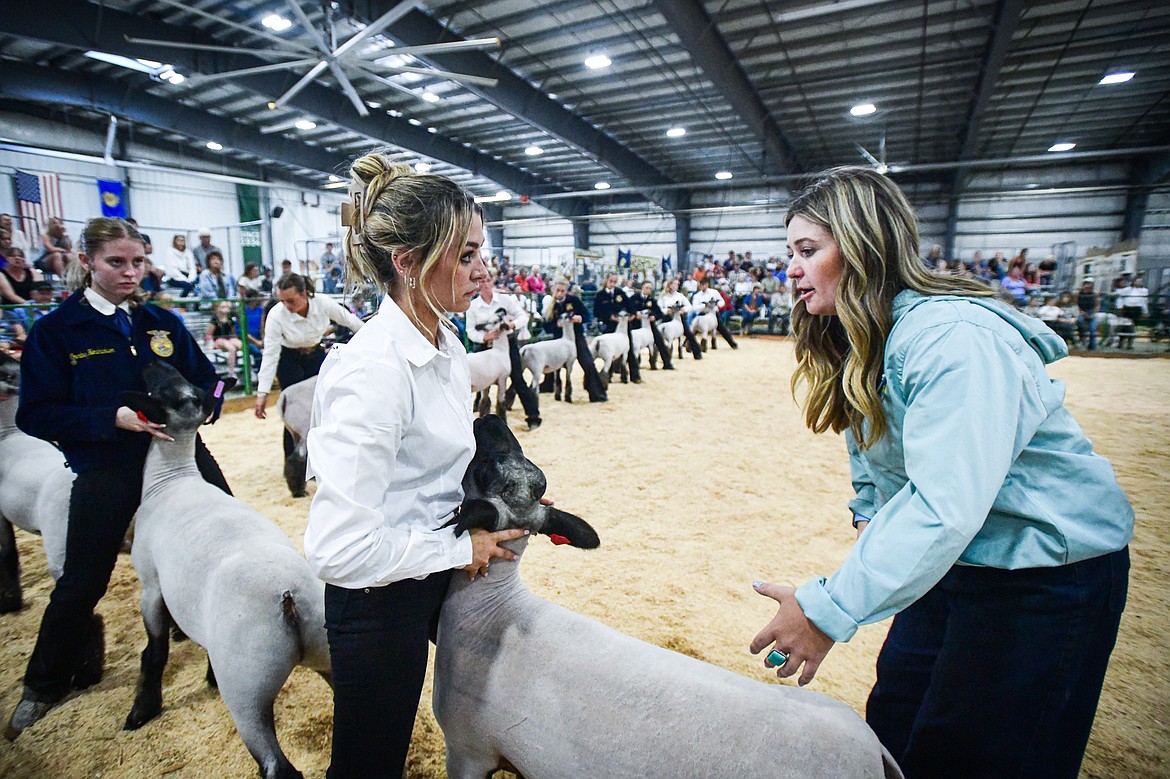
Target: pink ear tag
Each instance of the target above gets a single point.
(218, 390)
(558, 540)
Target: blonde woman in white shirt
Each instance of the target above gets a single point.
(390, 441)
(293, 333)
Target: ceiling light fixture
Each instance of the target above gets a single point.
(597, 61)
(432, 130)
(499, 197)
(534, 151)
(215, 146)
(1063, 146)
(422, 167)
(335, 185)
(415, 122)
(1120, 77)
(305, 124)
(601, 185)
(334, 178)
(723, 175)
(676, 132)
(863, 109)
(276, 22)
(431, 97)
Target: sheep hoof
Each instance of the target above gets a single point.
(10, 602)
(146, 707)
(93, 657)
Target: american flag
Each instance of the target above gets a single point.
(39, 197)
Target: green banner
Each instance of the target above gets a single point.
(248, 200)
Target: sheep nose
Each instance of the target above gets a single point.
(537, 484)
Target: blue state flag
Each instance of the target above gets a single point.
(666, 265)
(624, 258)
(113, 204)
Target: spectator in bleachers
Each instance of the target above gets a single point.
(56, 248)
(152, 278)
(165, 300)
(1088, 306)
(254, 314)
(1047, 269)
(17, 236)
(331, 270)
(17, 278)
(779, 310)
(213, 282)
(1061, 321)
(752, 307)
(204, 248)
(1016, 286)
(251, 280)
(1132, 298)
(1020, 261)
(12, 335)
(933, 257)
(536, 282)
(179, 267)
(223, 332)
(148, 246)
(42, 298)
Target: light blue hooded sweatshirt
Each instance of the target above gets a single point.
(981, 464)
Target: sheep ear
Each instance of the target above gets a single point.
(150, 407)
(570, 527)
(475, 513)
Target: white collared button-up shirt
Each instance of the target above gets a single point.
(390, 440)
(284, 328)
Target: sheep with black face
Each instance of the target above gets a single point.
(523, 682)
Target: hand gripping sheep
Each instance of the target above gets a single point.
(228, 577)
(550, 356)
(523, 682)
(296, 408)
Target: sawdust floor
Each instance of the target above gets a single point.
(699, 481)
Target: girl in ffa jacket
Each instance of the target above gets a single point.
(78, 360)
(991, 529)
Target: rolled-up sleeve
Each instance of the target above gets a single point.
(972, 405)
(352, 452)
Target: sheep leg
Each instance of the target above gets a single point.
(569, 383)
(249, 693)
(464, 764)
(148, 700)
(502, 398)
(557, 385)
(11, 598)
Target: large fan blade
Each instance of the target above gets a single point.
(373, 28)
(203, 78)
(308, 27)
(383, 80)
(347, 87)
(477, 80)
(304, 82)
(440, 48)
(208, 47)
(187, 7)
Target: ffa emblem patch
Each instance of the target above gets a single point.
(160, 343)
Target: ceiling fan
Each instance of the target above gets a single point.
(879, 162)
(326, 54)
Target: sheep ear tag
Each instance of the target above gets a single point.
(564, 528)
(145, 404)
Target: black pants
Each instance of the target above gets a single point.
(101, 506)
(520, 387)
(632, 359)
(593, 384)
(661, 347)
(689, 337)
(295, 366)
(997, 673)
(378, 646)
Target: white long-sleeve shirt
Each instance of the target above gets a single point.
(179, 265)
(668, 299)
(390, 440)
(283, 329)
(481, 312)
(700, 298)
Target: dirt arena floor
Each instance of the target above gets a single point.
(698, 481)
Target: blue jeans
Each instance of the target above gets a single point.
(997, 673)
(1088, 322)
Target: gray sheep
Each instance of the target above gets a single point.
(523, 682)
(229, 578)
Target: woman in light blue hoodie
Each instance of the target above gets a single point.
(1008, 573)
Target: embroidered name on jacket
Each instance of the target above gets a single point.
(75, 356)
